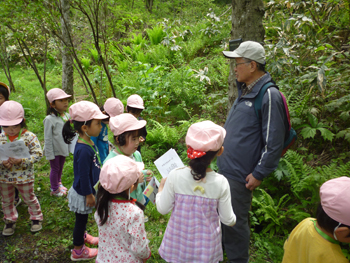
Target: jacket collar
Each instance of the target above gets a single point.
(256, 89)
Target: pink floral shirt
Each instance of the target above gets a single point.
(123, 237)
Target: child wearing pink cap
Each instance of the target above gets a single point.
(18, 173)
(317, 240)
(111, 108)
(4, 96)
(127, 130)
(134, 106)
(85, 119)
(55, 149)
(199, 199)
(120, 219)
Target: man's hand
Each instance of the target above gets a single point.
(162, 183)
(90, 200)
(252, 183)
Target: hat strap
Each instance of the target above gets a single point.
(19, 136)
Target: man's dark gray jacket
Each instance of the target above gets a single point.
(252, 145)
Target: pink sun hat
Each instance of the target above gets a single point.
(85, 111)
(56, 94)
(205, 136)
(125, 122)
(120, 173)
(135, 101)
(11, 113)
(113, 107)
(335, 199)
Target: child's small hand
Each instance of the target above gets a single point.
(141, 139)
(162, 183)
(149, 172)
(148, 179)
(7, 164)
(15, 161)
(90, 200)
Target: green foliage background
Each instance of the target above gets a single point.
(172, 58)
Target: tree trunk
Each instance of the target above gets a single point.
(247, 24)
(67, 59)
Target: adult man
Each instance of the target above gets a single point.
(253, 146)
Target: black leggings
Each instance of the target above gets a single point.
(79, 229)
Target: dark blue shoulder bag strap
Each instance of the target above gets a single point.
(259, 98)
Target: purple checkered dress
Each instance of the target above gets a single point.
(193, 233)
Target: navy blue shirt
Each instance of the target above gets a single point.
(86, 169)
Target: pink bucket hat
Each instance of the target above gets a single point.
(85, 111)
(56, 94)
(125, 122)
(120, 173)
(11, 113)
(335, 199)
(205, 136)
(135, 101)
(7, 87)
(113, 107)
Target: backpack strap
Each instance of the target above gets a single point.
(259, 98)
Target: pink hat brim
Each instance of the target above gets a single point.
(11, 122)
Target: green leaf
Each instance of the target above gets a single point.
(313, 120)
(326, 134)
(308, 132)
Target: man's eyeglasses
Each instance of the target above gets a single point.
(235, 65)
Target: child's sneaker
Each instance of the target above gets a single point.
(17, 202)
(59, 192)
(85, 254)
(9, 228)
(63, 187)
(36, 226)
(89, 239)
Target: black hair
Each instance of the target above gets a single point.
(200, 165)
(52, 110)
(120, 140)
(326, 222)
(104, 197)
(5, 92)
(133, 110)
(69, 132)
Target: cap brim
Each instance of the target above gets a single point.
(11, 122)
(231, 54)
(140, 124)
(63, 97)
(141, 166)
(100, 116)
(136, 106)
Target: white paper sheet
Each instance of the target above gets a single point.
(16, 149)
(168, 162)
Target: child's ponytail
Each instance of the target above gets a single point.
(200, 165)
(71, 127)
(68, 132)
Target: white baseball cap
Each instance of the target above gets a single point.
(248, 49)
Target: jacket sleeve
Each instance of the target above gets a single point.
(273, 132)
(48, 145)
(226, 213)
(35, 151)
(165, 200)
(139, 242)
